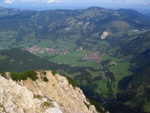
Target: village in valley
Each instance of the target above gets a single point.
(89, 56)
(35, 49)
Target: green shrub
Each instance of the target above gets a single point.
(45, 79)
(17, 76)
(31, 74)
(71, 81)
(44, 72)
(24, 75)
(2, 74)
(38, 96)
(47, 104)
(53, 72)
(98, 106)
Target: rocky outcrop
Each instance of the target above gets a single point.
(104, 35)
(54, 96)
(15, 98)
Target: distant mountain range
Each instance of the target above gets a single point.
(33, 26)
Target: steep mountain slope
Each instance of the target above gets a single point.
(22, 60)
(54, 96)
(135, 97)
(137, 45)
(142, 60)
(140, 49)
(137, 18)
(133, 94)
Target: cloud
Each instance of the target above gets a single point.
(9, 1)
(30, 1)
(53, 1)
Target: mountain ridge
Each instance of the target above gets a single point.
(91, 22)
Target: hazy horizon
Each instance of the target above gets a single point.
(141, 6)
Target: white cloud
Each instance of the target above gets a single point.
(30, 1)
(53, 1)
(9, 1)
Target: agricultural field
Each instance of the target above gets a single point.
(74, 59)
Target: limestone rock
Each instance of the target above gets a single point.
(104, 35)
(54, 96)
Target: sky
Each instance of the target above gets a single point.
(76, 4)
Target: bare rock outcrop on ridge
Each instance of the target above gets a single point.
(54, 96)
